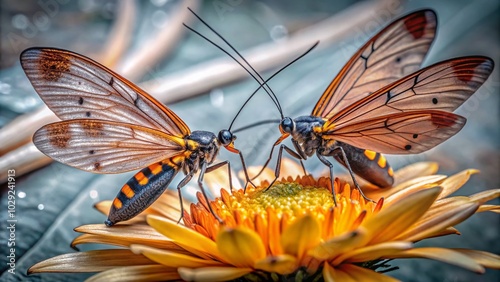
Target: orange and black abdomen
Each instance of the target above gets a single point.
(369, 165)
(141, 191)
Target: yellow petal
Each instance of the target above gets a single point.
(300, 236)
(123, 235)
(483, 258)
(406, 187)
(446, 219)
(185, 237)
(331, 274)
(373, 252)
(172, 259)
(441, 254)
(210, 274)
(241, 247)
(91, 261)
(491, 208)
(396, 219)
(415, 170)
(485, 196)
(137, 273)
(363, 274)
(338, 245)
(281, 264)
(454, 182)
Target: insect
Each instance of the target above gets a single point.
(112, 126)
(381, 102)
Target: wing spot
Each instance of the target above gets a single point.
(398, 59)
(111, 81)
(91, 152)
(92, 128)
(407, 147)
(80, 101)
(97, 166)
(415, 136)
(59, 134)
(416, 25)
(434, 101)
(88, 114)
(53, 65)
(389, 97)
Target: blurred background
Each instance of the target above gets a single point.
(146, 42)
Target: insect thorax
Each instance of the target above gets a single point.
(206, 149)
(306, 135)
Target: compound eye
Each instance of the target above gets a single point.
(225, 137)
(287, 125)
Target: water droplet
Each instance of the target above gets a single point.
(5, 88)
(20, 21)
(41, 207)
(278, 32)
(217, 97)
(159, 19)
(159, 3)
(21, 195)
(93, 194)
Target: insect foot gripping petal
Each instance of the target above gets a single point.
(140, 192)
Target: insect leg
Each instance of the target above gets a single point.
(203, 169)
(302, 154)
(246, 172)
(266, 163)
(278, 162)
(181, 184)
(340, 150)
(330, 166)
(218, 165)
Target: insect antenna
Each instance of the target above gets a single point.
(265, 83)
(266, 121)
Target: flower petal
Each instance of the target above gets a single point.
(415, 170)
(241, 247)
(430, 226)
(363, 274)
(331, 274)
(373, 252)
(91, 261)
(485, 259)
(123, 235)
(491, 208)
(406, 187)
(137, 273)
(185, 237)
(444, 255)
(337, 245)
(454, 182)
(172, 259)
(212, 273)
(485, 196)
(303, 234)
(281, 264)
(395, 219)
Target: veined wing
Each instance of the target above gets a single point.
(396, 51)
(104, 146)
(76, 87)
(443, 86)
(400, 133)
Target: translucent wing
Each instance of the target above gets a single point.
(400, 133)
(396, 51)
(76, 87)
(443, 86)
(105, 147)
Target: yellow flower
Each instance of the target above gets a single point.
(291, 230)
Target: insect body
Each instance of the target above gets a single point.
(112, 126)
(381, 103)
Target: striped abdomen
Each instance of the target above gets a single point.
(141, 191)
(369, 165)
